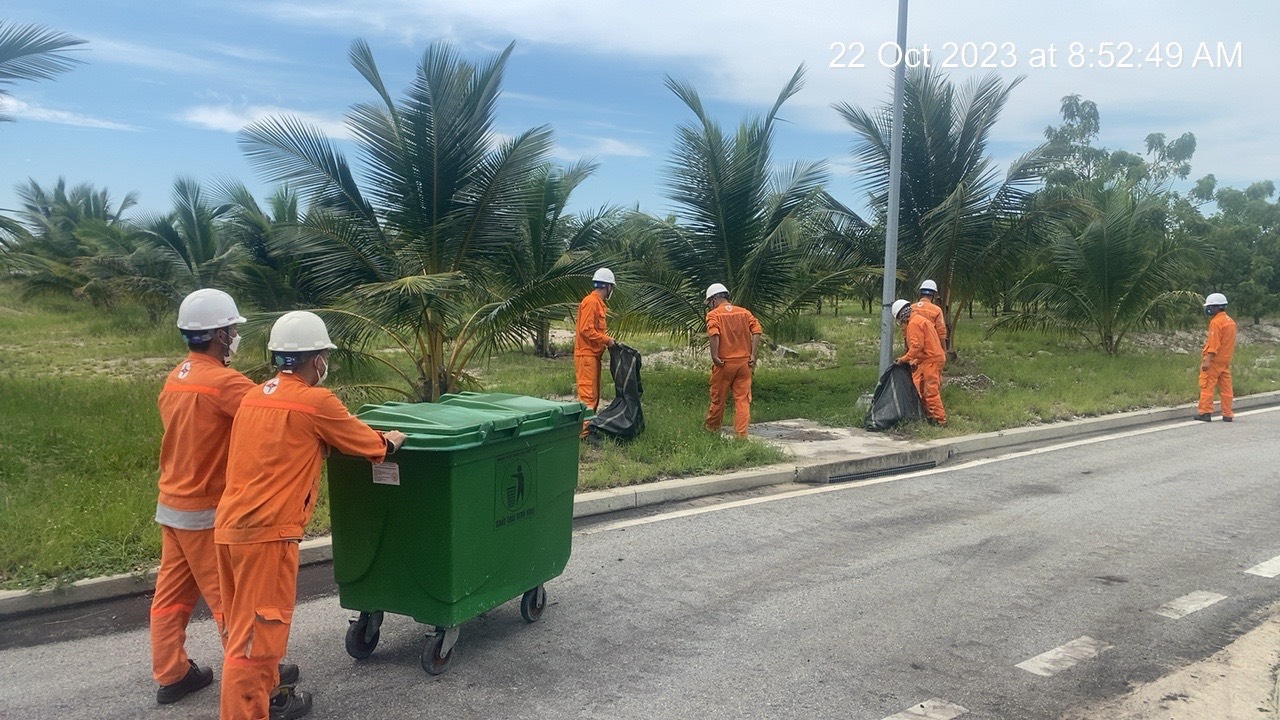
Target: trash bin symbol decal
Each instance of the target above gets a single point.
(515, 487)
(515, 493)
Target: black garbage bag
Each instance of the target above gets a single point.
(895, 400)
(624, 418)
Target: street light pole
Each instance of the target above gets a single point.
(895, 180)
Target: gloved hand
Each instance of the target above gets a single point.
(396, 438)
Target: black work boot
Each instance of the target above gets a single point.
(1228, 418)
(197, 678)
(289, 704)
(288, 674)
(1204, 417)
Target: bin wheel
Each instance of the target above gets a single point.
(533, 603)
(358, 646)
(432, 661)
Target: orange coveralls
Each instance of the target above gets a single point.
(1222, 343)
(925, 354)
(589, 342)
(197, 404)
(736, 327)
(278, 441)
(924, 306)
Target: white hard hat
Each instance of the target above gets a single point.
(716, 289)
(898, 305)
(207, 309)
(604, 275)
(929, 285)
(299, 331)
(1215, 299)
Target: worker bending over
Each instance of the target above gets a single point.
(591, 339)
(735, 338)
(283, 431)
(925, 357)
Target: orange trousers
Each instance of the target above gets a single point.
(734, 376)
(259, 589)
(1217, 376)
(188, 570)
(927, 377)
(587, 368)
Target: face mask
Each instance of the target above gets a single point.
(231, 348)
(324, 374)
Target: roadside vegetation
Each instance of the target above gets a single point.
(78, 454)
(446, 257)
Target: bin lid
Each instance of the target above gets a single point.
(470, 419)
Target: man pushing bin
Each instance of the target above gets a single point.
(280, 436)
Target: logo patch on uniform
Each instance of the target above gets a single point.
(272, 385)
(184, 370)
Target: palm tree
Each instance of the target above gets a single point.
(960, 222)
(272, 277)
(739, 221)
(57, 234)
(32, 52)
(1110, 268)
(552, 248)
(403, 255)
(190, 238)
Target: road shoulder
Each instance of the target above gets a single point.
(1238, 681)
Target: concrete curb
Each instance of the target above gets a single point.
(599, 502)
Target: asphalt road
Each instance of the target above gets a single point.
(856, 601)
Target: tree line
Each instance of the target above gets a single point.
(448, 243)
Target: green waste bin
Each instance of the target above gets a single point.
(475, 509)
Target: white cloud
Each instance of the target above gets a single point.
(155, 58)
(254, 55)
(226, 118)
(16, 108)
(744, 50)
(599, 147)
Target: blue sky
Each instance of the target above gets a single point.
(167, 85)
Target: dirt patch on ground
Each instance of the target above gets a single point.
(1238, 681)
(813, 355)
(683, 359)
(817, 354)
(1191, 341)
(129, 367)
(973, 383)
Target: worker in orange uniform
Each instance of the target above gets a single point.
(280, 436)
(735, 338)
(1215, 360)
(199, 400)
(925, 357)
(591, 339)
(927, 306)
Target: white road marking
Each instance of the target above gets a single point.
(1268, 569)
(633, 522)
(932, 709)
(1060, 658)
(1189, 603)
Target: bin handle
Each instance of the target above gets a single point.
(513, 431)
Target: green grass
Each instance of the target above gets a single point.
(81, 433)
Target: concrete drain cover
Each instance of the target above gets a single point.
(794, 434)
